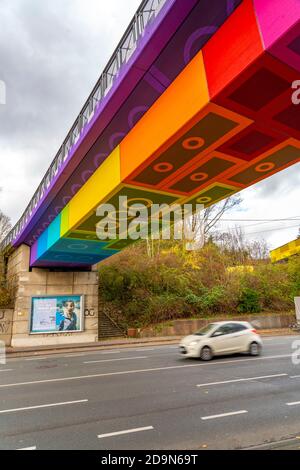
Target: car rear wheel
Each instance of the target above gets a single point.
(254, 349)
(206, 354)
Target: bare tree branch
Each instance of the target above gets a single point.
(213, 214)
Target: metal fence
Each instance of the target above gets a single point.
(146, 13)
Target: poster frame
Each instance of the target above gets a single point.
(30, 320)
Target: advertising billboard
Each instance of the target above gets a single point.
(57, 314)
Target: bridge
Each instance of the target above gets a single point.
(194, 105)
(284, 252)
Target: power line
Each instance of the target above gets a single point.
(260, 220)
(263, 223)
(272, 230)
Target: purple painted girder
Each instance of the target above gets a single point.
(129, 76)
(180, 31)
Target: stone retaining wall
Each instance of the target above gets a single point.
(187, 327)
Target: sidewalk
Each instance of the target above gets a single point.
(116, 343)
(96, 346)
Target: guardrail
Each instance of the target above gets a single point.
(145, 14)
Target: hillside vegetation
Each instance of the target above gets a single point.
(137, 290)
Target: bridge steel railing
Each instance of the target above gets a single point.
(145, 14)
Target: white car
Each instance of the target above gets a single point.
(222, 338)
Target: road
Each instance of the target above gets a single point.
(151, 398)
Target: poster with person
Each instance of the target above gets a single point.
(59, 314)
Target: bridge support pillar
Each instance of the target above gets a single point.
(39, 282)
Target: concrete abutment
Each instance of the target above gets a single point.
(27, 283)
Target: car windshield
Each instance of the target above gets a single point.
(205, 330)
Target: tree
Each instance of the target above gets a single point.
(241, 250)
(201, 225)
(213, 214)
(198, 228)
(234, 243)
(259, 250)
(5, 225)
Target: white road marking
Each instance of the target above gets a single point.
(74, 355)
(115, 360)
(28, 448)
(280, 338)
(127, 431)
(109, 352)
(294, 376)
(6, 370)
(13, 410)
(139, 371)
(293, 403)
(233, 413)
(144, 349)
(39, 358)
(242, 380)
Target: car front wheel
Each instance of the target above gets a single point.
(206, 354)
(254, 349)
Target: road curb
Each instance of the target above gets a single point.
(86, 347)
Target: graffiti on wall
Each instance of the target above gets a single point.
(6, 317)
(89, 312)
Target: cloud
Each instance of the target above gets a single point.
(51, 55)
(274, 198)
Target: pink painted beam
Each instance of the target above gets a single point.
(279, 22)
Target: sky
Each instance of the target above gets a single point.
(51, 55)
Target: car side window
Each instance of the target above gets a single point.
(223, 330)
(228, 329)
(236, 328)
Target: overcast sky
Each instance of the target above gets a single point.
(51, 55)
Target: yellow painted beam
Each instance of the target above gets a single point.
(104, 181)
(285, 251)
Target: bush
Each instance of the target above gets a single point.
(5, 298)
(193, 299)
(249, 301)
(293, 270)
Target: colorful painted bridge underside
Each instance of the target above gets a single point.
(286, 251)
(225, 122)
(167, 43)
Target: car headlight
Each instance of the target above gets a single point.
(194, 343)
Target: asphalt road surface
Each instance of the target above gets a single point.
(151, 398)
